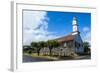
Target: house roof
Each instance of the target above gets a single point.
(65, 38)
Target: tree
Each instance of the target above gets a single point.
(49, 43)
(26, 48)
(38, 46)
(86, 47)
(55, 44)
(52, 44)
(34, 46)
(41, 45)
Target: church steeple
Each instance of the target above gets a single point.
(75, 26)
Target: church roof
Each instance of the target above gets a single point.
(65, 38)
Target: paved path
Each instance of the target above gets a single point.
(84, 57)
(31, 59)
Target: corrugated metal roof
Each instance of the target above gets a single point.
(65, 38)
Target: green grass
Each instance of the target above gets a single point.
(53, 57)
(34, 55)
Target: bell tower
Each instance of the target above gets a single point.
(75, 26)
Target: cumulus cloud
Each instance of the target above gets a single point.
(35, 27)
(87, 35)
(85, 29)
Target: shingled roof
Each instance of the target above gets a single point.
(65, 38)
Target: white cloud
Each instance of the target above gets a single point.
(85, 29)
(33, 19)
(87, 35)
(35, 27)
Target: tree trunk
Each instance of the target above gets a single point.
(50, 52)
(38, 52)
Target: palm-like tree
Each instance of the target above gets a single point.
(34, 45)
(52, 44)
(41, 45)
(38, 46)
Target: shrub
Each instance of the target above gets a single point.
(29, 52)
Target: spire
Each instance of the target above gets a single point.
(74, 18)
(75, 26)
(74, 22)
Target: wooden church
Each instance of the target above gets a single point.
(69, 44)
(73, 41)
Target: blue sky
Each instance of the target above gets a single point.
(63, 21)
(44, 25)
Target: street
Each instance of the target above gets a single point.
(31, 59)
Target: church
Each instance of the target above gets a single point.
(69, 44)
(72, 41)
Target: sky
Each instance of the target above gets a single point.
(44, 25)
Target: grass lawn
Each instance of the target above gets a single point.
(56, 58)
(34, 55)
